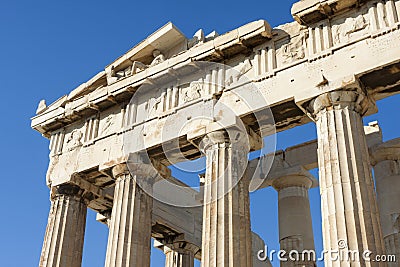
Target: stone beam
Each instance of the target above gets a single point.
(303, 156)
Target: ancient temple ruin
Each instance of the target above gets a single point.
(172, 99)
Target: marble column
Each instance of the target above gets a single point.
(386, 161)
(258, 245)
(350, 219)
(63, 242)
(129, 240)
(179, 254)
(295, 224)
(226, 236)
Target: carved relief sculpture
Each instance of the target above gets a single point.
(139, 66)
(74, 139)
(194, 92)
(153, 106)
(235, 74)
(158, 58)
(343, 32)
(294, 50)
(136, 67)
(108, 122)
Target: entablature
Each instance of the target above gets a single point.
(290, 55)
(288, 65)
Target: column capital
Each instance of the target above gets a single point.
(295, 176)
(181, 247)
(389, 150)
(213, 138)
(140, 168)
(179, 253)
(120, 170)
(355, 100)
(143, 174)
(230, 137)
(127, 165)
(66, 190)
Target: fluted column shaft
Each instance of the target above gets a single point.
(386, 161)
(349, 210)
(63, 242)
(295, 224)
(179, 254)
(129, 237)
(226, 237)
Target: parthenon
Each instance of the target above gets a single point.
(173, 99)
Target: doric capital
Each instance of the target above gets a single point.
(230, 137)
(66, 190)
(295, 176)
(389, 150)
(354, 100)
(143, 173)
(133, 167)
(293, 180)
(181, 247)
(213, 138)
(120, 170)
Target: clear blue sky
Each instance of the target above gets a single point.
(47, 48)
